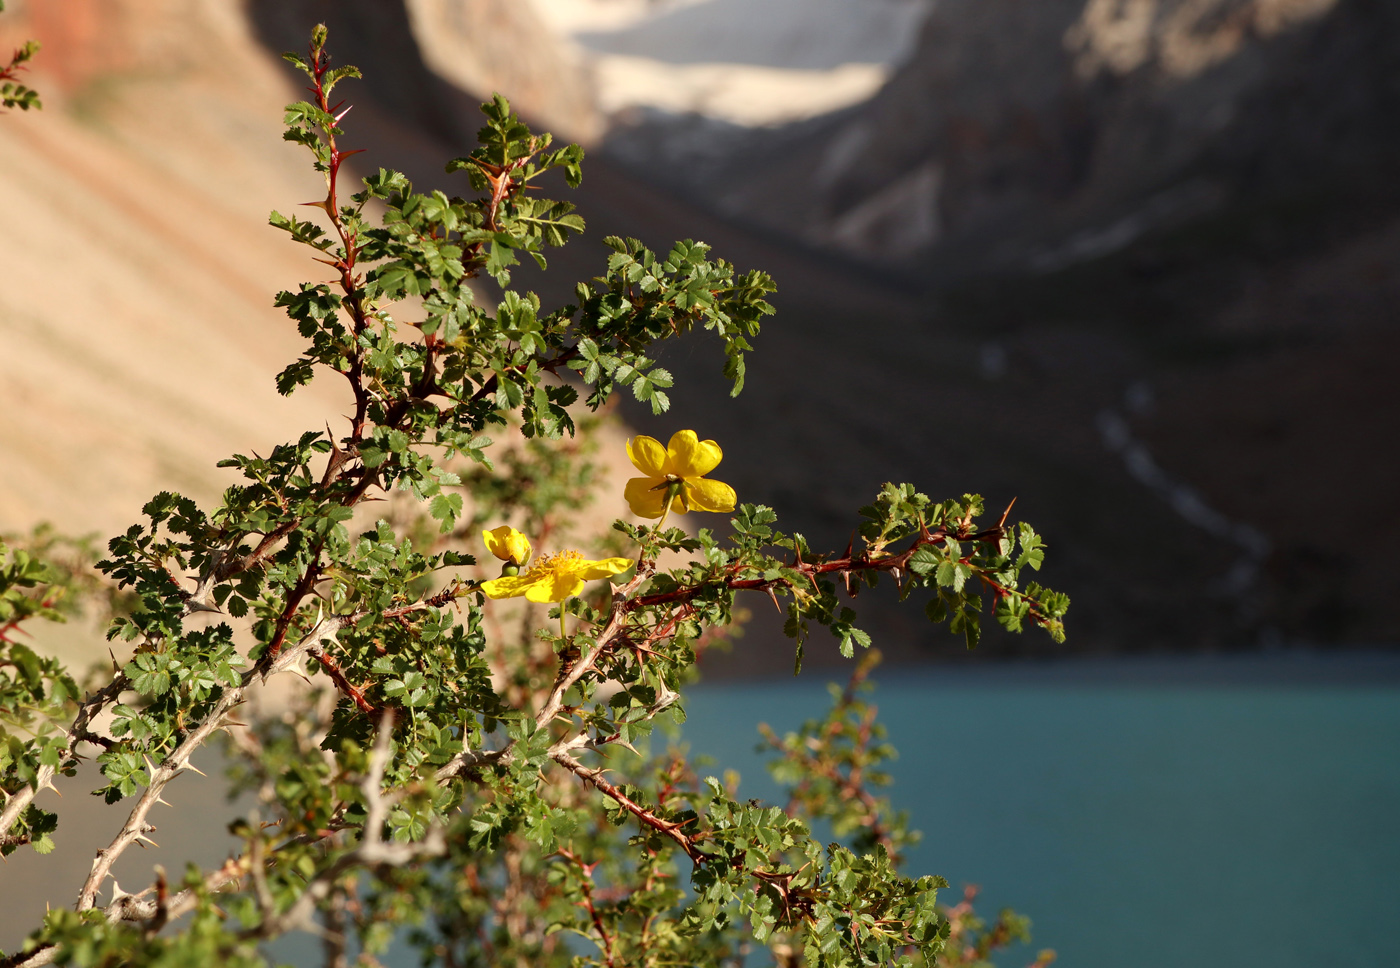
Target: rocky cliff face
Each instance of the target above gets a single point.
(1031, 136)
(136, 313)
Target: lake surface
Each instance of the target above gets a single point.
(1211, 813)
(1148, 814)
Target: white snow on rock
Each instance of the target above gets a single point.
(746, 62)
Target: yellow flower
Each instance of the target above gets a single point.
(553, 578)
(678, 469)
(507, 544)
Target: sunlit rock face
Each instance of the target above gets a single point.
(744, 62)
(685, 85)
(1034, 135)
(488, 46)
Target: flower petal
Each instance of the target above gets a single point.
(691, 456)
(511, 586)
(708, 495)
(555, 586)
(593, 570)
(507, 544)
(642, 499)
(647, 455)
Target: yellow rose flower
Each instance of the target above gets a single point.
(507, 544)
(553, 578)
(679, 470)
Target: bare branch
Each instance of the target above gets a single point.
(373, 851)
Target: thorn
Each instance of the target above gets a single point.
(342, 114)
(850, 546)
(148, 840)
(191, 766)
(1004, 514)
(774, 595)
(160, 799)
(117, 892)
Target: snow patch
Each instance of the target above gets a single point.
(752, 63)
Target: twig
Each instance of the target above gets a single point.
(373, 850)
(595, 779)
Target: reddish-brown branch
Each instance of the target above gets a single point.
(16, 66)
(594, 916)
(284, 620)
(230, 567)
(844, 566)
(342, 683)
(672, 830)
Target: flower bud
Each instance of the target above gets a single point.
(507, 544)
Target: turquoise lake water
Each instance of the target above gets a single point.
(1225, 813)
(1151, 816)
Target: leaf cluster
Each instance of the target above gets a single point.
(13, 94)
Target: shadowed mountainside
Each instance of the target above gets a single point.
(1197, 195)
(855, 383)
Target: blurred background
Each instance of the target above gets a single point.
(1134, 263)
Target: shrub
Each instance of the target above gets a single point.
(471, 769)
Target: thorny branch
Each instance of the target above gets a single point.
(846, 568)
(136, 827)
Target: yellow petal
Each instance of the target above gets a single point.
(707, 495)
(510, 586)
(691, 456)
(647, 455)
(554, 586)
(507, 544)
(594, 570)
(642, 499)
